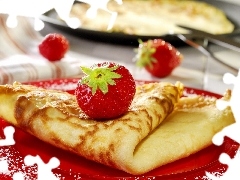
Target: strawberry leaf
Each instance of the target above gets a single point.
(100, 77)
(144, 56)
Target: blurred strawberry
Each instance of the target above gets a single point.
(54, 46)
(158, 57)
(106, 91)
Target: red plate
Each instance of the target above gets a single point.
(74, 167)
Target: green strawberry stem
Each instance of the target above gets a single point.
(100, 77)
(144, 54)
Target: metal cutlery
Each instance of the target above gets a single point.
(221, 40)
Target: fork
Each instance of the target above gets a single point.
(203, 49)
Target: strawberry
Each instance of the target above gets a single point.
(54, 46)
(158, 57)
(106, 91)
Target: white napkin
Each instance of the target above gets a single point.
(23, 68)
(20, 59)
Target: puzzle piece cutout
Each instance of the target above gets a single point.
(35, 8)
(44, 170)
(18, 176)
(3, 165)
(233, 170)
(232, 131)
(8, 133)
(101, 4)
(8, 141)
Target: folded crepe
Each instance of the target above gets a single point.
(159, 128)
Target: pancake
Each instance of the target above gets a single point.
(187, 130)
(54, 117)
(152, 17)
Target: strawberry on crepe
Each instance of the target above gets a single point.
(106, 91)
(153, 130)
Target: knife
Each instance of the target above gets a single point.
(221, 40)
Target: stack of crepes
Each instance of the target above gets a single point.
(160, 127)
